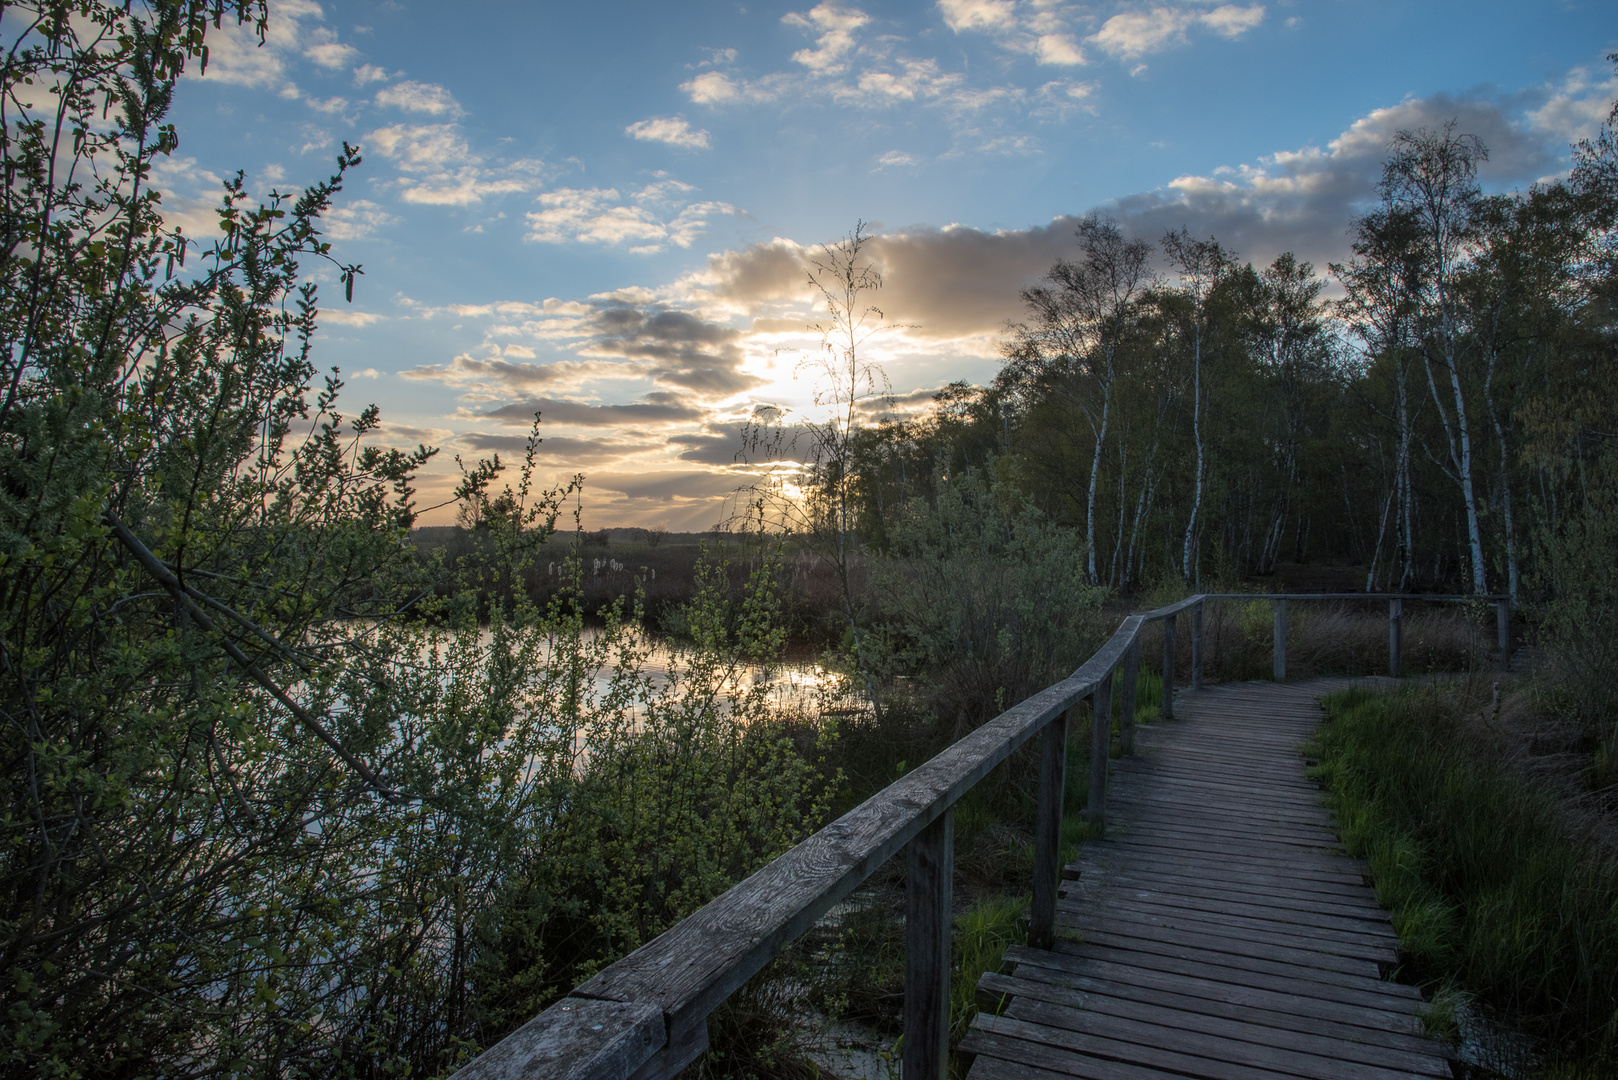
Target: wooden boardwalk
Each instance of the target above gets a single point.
(1218, 931)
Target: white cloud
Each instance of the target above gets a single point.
(1133, 34)
(366, 373)
(835, 26)
(894, 159)
(602, 216)
(978, 14)
(346, 316)
(369, 73)
(356, 221)
(673, 130)
(442, 170)
(421, 97)
(296, 28)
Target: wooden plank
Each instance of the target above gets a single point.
(994, 1047)
(1149, 936)
(1239, 1044)
(1268, 885)
(1171, 906)
(1073, 958)
(1103, 976)
(1104, 997)
(575, 1039)
(1175, 1061)
(1120, 918)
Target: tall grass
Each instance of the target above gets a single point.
(1335, 639)
(1494, 883)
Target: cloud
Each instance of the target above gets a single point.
(343, 316)
(673, 130)
(680, 349)
(296, 29)
(895, 158)
(358, 220)
(643, 220)
(1133, 34)
(365, 373)
(501, 377)
(657, 410)
(668, 484)
(420, 97)
(1043, 31)
(962, 15)
(442, 169)
(569, 449)
(835, 26)
(369, 73)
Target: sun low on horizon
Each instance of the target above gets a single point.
(608, 214)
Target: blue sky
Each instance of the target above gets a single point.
(602, 210)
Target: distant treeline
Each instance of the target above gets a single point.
(1445, 416)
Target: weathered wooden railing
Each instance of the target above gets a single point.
(646, 1016)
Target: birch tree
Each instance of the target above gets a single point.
(1083, 316)
(1432, 177)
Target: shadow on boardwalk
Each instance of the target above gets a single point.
(1218, 931)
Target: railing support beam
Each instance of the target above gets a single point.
(1126, 718)
(1395, 637)
(1100, 748)
(1280, 641)
(1502, 626)
(929, 887)
(1048, 831)
(1170, 648)
(1196, 647)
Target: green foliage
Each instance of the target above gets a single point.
(1492, 885)
(1579, 614)
(281, 796)
(981, 597)
(983, 932)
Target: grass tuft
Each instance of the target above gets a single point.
(1497, 891)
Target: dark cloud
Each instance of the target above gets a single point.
(655, 409)
(679, 348)
(665, 486)
(957, 281)
(721, 445)
(466, 370)
(563, 449)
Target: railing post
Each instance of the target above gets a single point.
(1100, 746)
(1048, 832)
(1280, 641)
(1395, 636)
(1170, 647)
(929, 883)
(1196, 647)
(1126, 718)
(1502, 626)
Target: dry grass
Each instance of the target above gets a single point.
(1331, 638)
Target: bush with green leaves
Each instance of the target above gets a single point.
(278, 795)
(981, 597)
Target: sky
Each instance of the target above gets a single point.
(604, 212)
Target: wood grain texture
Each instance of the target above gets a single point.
(575, 1039)
(929, 918)
(1219, 931)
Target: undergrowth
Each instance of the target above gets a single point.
(1496, 889)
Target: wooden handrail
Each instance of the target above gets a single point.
(645, 1017)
